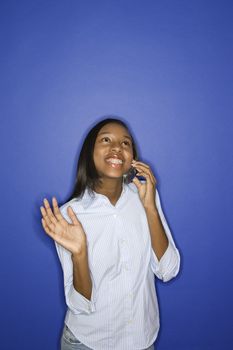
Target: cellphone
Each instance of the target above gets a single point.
(132, 173)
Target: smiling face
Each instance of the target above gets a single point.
(113, 151)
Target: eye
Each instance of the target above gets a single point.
(126, 143)
(105, 139)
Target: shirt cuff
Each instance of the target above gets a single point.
(78, 304)
(168, 266)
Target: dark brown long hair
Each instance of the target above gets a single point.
(87, 176)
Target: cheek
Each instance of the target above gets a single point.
(97, 156)
(129, 156)
(128, 160)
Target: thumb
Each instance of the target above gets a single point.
(73, 216)
(137, 182)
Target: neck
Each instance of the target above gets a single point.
(111, 188)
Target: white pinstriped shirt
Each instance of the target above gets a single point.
(123, 311)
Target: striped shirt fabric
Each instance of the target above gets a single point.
(123, 311)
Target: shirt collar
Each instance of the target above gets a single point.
(90, 197)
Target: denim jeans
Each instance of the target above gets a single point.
(70, 342)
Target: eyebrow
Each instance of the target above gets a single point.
(107, 132)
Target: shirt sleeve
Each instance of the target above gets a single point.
(76, 302)
(168, 266)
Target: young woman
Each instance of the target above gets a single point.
(112, 239)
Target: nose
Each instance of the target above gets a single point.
(116, 146)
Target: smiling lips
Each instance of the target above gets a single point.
(115, 162)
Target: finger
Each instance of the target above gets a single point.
(142, 166)
(56, 210)
(45, 215)
(50, 233)
(46, 228)
(150, 173)
(73, 216)
(49, 211)
(149, 177)
(137, 182)
(47, 220)
(136, 162)
(145, 175)
(146, 171)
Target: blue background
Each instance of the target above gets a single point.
(166, 68)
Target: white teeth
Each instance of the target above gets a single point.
(114, 161)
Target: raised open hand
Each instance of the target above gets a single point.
(70, 236)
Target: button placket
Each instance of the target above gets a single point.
(125, 264)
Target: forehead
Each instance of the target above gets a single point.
(114, 128)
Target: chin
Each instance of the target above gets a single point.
(111, 176)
